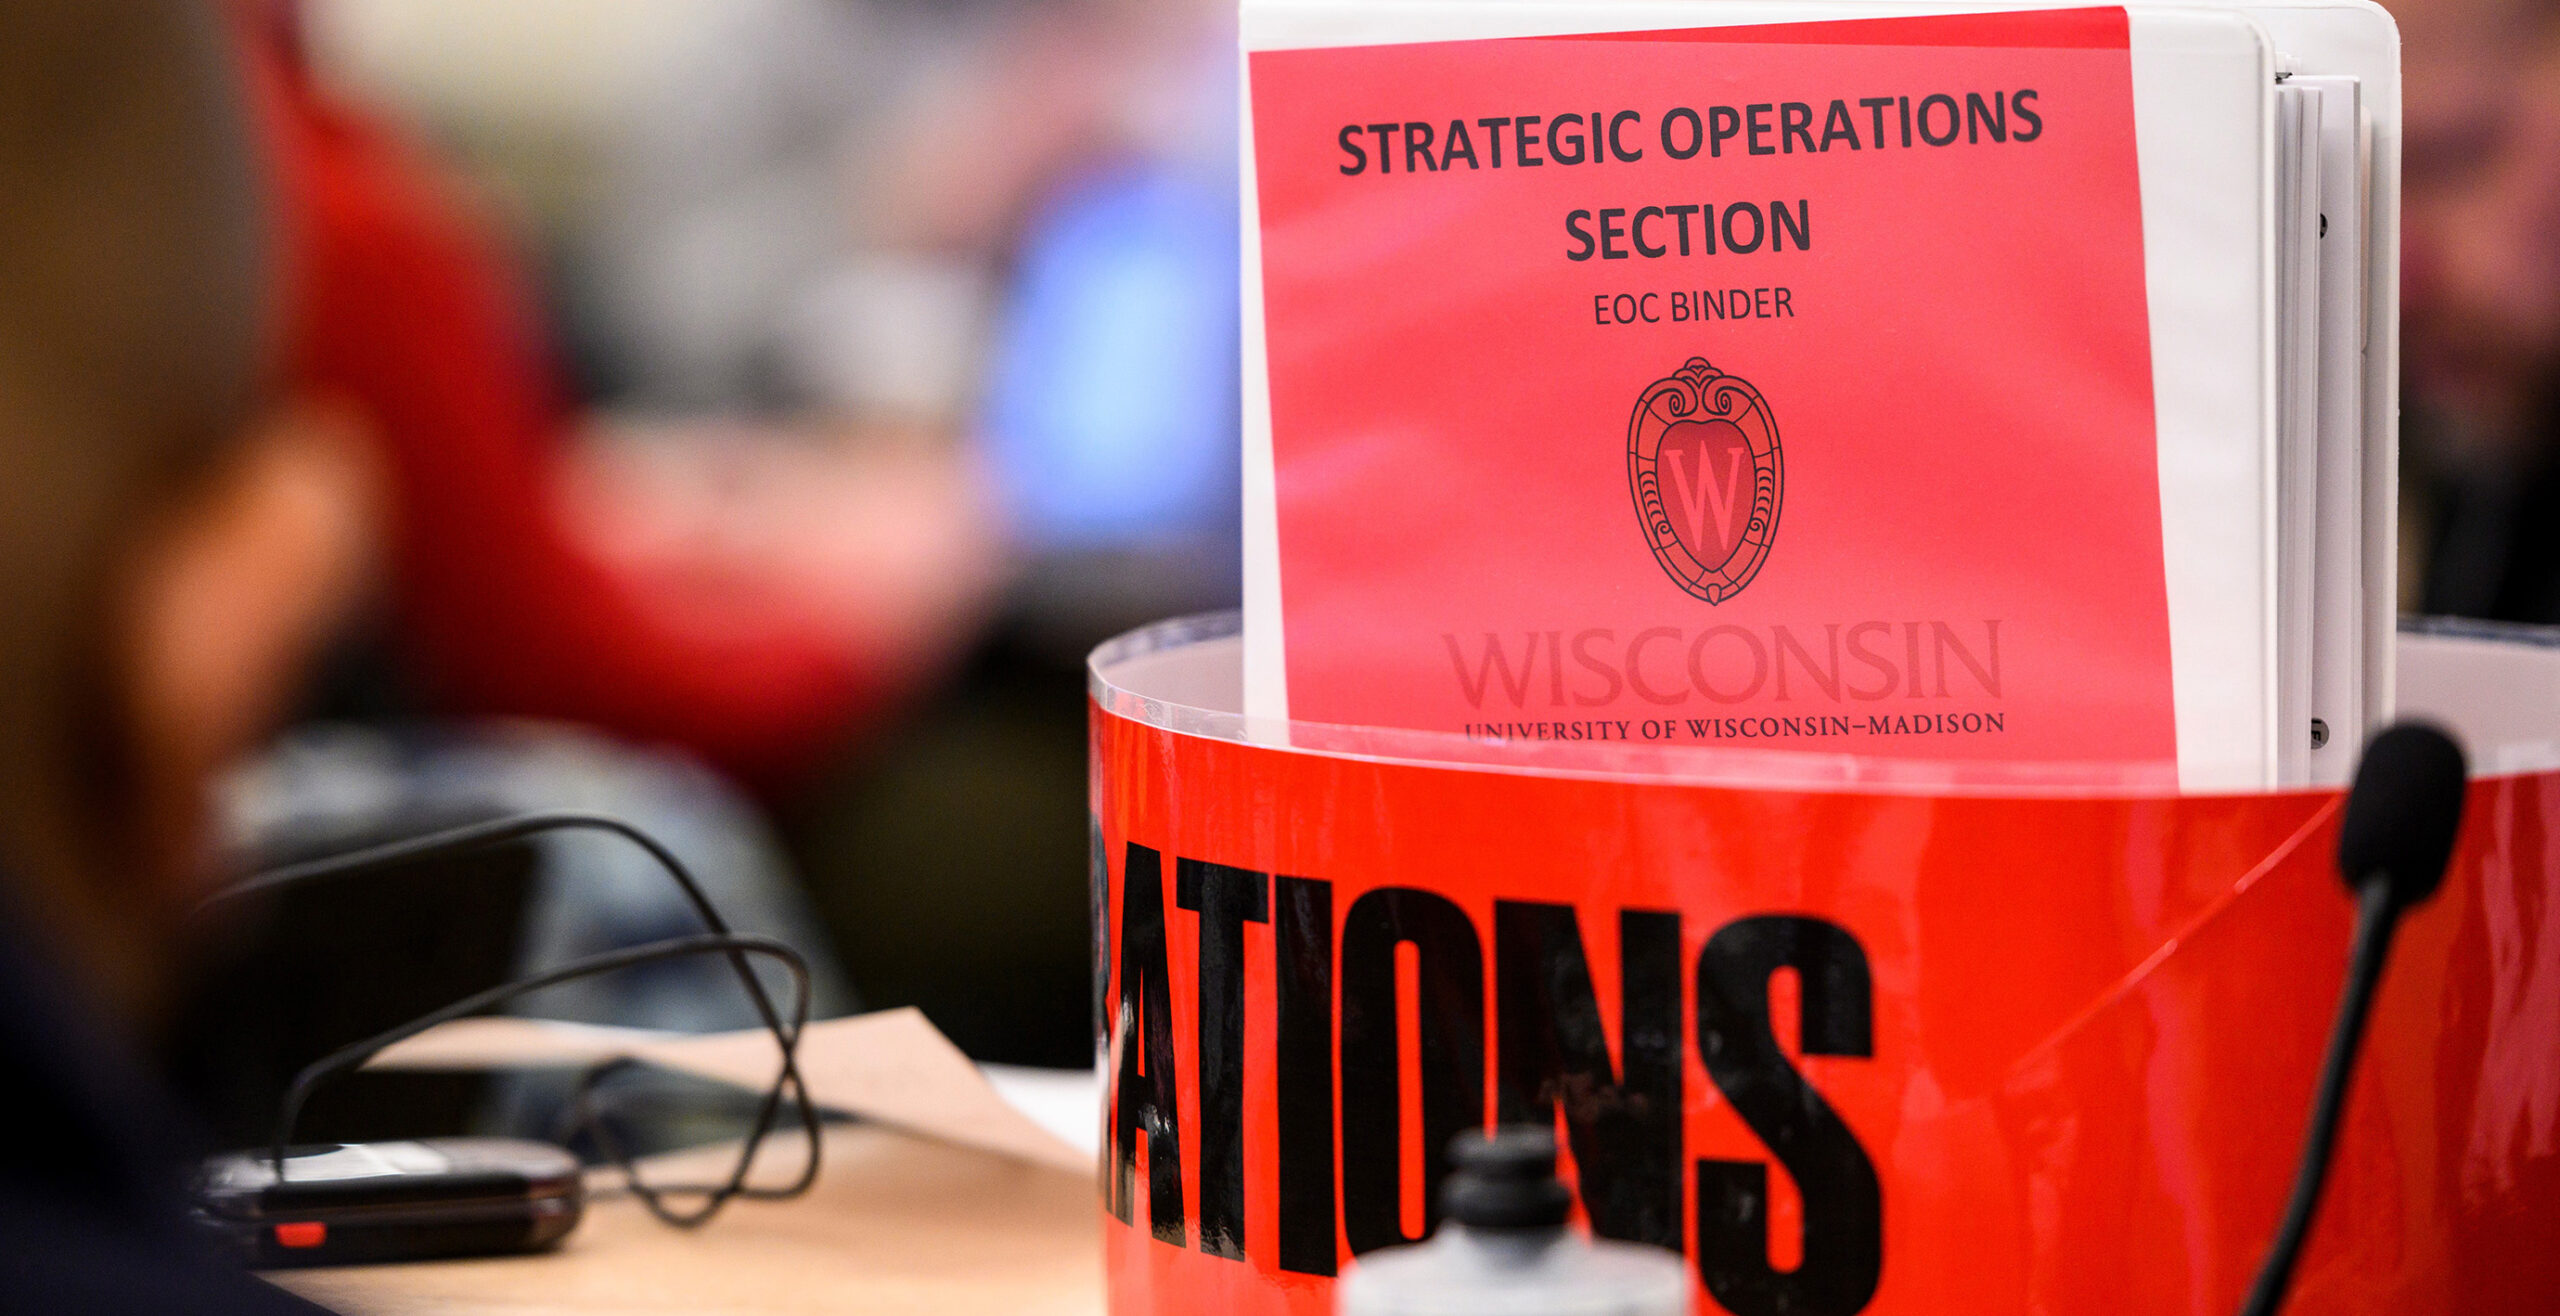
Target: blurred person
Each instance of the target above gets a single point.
(749, 602)
(167, 558)
(2480, 290)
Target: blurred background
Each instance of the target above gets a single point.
(741, 416)
(759, 408)
(2480, 305)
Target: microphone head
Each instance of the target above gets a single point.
(2403, 812)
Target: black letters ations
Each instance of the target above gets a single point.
(1624, 1120)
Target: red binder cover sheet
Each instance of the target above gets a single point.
(1807, 402)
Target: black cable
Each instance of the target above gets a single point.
(353, 1056)
(485, 835)
(480, 836)
(2377, 916)
(584, 1116)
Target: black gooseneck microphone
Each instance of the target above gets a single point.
(2393, 845)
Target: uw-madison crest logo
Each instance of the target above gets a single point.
(1703, 459)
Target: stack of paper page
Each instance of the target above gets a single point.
(1933, 381)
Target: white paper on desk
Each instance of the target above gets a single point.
(892, 1066)
(1066, 1102)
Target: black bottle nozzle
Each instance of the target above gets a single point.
(1505, 1179)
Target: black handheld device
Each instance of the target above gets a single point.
(347, 1203)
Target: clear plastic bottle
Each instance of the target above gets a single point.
(1503, 1249)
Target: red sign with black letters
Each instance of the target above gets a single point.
(1847, 1052)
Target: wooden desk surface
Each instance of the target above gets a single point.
(894, 1225)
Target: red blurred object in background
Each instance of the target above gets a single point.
(402, 303)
